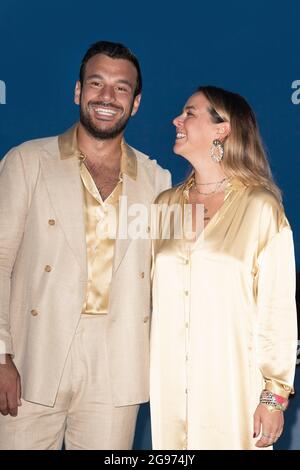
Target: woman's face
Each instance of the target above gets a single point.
(195, 130)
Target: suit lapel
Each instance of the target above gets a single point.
(139, 191)
(62, 178)
(63, 182)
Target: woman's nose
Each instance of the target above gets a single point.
(178, 121)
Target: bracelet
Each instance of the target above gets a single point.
(272, 401)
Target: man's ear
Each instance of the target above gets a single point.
(136, 104)
(77, 92)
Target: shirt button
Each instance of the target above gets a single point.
(148, 229)
(187, 261)
(48, 268)
(142, 275)
(34, 313)
(51, 222)
(186, 292)
(186, 325)
(146, 319)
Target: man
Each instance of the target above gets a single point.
(74, 301)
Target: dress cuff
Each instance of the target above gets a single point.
(279, 388)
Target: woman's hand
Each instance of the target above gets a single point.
(269, 424)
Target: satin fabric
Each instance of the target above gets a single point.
(101, 223)
(223, 323)
(101, 230)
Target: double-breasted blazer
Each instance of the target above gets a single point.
(43, 271)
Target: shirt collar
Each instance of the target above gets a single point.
(128, 161)
(67, 143)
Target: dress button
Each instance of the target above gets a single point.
(48, 268)
(51, 222)
(34, 313)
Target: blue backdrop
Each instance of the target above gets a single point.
(252, 48)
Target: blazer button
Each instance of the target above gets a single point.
(34, 313)
(48, 268)
(51, 222)
(142, 275)
(146, 319)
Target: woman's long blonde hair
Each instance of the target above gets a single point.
(244, 154)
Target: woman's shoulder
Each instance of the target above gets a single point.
(263, 197)
(171, 195)
(267, 206)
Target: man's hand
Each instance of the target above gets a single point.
(10, 387)
(269, 423)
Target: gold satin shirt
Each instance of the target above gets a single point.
(101, 224)
(223, 322)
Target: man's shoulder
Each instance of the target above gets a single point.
(147, 161)
(33, 149)
(38, 145)
(31, 152)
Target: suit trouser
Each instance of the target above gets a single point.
(83, 415)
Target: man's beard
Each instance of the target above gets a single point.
(101, 134)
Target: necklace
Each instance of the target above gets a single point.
(217, 189)
(207, 184)
(214, 191)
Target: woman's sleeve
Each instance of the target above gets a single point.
(277, 318)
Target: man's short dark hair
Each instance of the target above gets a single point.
(114, 50)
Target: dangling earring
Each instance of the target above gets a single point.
(217, 151)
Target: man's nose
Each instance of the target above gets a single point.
(107, 93)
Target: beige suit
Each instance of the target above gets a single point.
(43, 272)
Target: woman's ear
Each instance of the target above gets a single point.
(223, 130)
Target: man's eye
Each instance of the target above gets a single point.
(188, 113)
(95, 83)
(120, 88)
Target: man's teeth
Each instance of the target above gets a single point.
(180, 135)
(108, 112)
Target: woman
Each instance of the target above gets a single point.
(224, 320)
